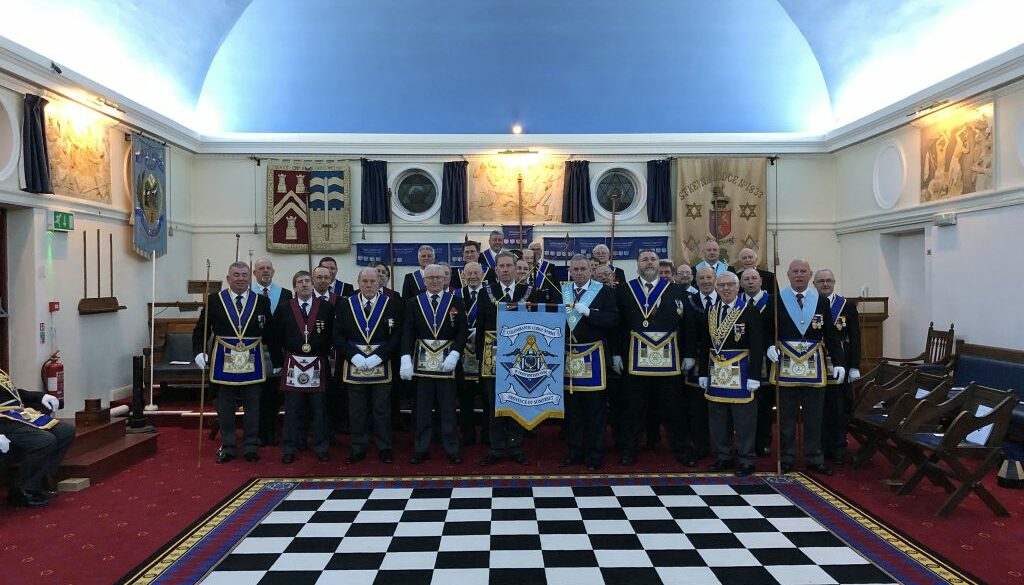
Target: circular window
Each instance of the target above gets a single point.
(9, 140)
(417, 196)
(619, 189)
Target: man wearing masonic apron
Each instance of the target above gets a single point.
(237, 320)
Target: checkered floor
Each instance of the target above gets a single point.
(585, 535)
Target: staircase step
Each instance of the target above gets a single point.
(110, 458)
(92, 437)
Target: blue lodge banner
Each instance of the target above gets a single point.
(149, 196)
(529, 365)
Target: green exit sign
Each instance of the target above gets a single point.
(60, 221)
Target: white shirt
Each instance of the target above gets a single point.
(309, 306)
(245, 296)
(510, 288)
(714, 298)
(373, 302)
(756, 297)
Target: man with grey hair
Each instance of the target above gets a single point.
(433, 340)
(237, 320)
(684, 278)
(603, 274)
(270, 396)
(414, 283)
(839, 392)
(749, 260)
(805, 332)
(542, 274)
(489, 257)
(731, 344)
(755, 297)
(367, 334)
(602, 255)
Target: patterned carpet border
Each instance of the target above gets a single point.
(190, 555)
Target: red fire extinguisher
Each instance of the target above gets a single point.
(53, 377)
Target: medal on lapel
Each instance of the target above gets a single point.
(817, 321)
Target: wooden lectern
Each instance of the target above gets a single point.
(872, 311)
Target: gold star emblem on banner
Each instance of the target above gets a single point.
(748, 210)
(750, 242)
(693, 210)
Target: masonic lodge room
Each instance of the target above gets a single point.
(485, 292)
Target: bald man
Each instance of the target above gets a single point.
(750, 260)
(710, 251)
(270, 396)
(839, 395)
(603, 255)
(806, 331)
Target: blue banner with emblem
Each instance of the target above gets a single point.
(529, 360)
(149, 196)
(626, 248)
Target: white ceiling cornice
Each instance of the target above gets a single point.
(24, 70)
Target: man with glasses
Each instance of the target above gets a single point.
(839, 392)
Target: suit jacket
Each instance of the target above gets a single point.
(342, 289)
(751, 339)
(415, 326)
(29, 399)
(487, 314)
(849, 335)
(331, 297)
(826, 333)
(219, 324)
(409, 287)
(550, 290)
(602, 321)
(620, 276)
(347, 332)
(288, 333)
(671, 314)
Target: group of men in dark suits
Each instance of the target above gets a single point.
(665, 354)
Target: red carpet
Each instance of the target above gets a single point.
(96, 536)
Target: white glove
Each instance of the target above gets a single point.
(854, 374)
(583, 309)
(405, 371)
(359, 361)
(773, 354)
(51, 403)
(5, 444)
(275, 372)
(839, 372)
(753, 385)
(372, 362)
(703, 382)
(617, 363)
(450, 362)
(688, 364)
(201, 360)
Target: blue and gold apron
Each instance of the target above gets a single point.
(237, 360)
(367, 328)
(429, 354)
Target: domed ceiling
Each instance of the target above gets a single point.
(478, 66)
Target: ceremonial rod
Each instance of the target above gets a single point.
(775, 316)
(519, 183)
(611, 251)
(309, 234)
(202, 379)
(238, 240)
(391, 239)
(85, 264)
(99, 264)
(152, 330)
(111, 234)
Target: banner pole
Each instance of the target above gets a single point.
(152, 331)
(391, 239)
(775, 316)
(202, 379)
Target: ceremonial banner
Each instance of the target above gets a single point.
(149, 196)
(299, 189)
(528, 365)
(494, 190)
(721, 199)
(78, 143)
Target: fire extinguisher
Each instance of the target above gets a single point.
(52, 374)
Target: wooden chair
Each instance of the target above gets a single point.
(944, 456)
(938, 350)
(882, 408)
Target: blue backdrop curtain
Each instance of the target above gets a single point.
(33, 146)
(577, 207)
(659, 193)
(373, 194)
(454, 206)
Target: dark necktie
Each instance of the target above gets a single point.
(238, 303)
(707, 303)
(433, 302)
(305, 308)
(472, 297)
(368, 307)
(266, 292)
(722, 311)
(800, 299)
(650, 287)
(579, 293)
(508, 293)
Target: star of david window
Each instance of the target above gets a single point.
(621, 185)
(416, 193)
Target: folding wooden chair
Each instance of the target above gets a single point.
(882, 408)
(982, 416)
(938, 350)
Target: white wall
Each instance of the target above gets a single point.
(968, 267)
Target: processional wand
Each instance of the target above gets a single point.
(238, 240)
(391, 240)
(775, 317)
(611, 251)
(202, 379)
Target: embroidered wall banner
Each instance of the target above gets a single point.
(721, 199)
(529, 365)
(308, 199)
(79, 146)
(149, 196)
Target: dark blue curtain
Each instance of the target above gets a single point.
(659, 193)
(454, 206)
(577, 207)
(33, 146)
(374, 192)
